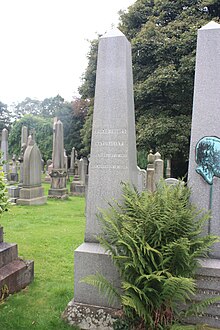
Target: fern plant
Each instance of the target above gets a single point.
(154, 241)
(3, 192)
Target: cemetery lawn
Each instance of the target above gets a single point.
(47, 234)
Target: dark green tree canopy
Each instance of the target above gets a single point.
(44, 134)
(5, 116)
(39, 115)
(163, 36)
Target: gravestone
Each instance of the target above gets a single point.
(58, 174)
(78, 185)
(158, 168)
(24, 141)
(32, 192)
(49, 166)
(14, 170)
(112, 161)
(4, 149)
(15, 273)
(168, 168)
(205, 123)
(150, 186)
(204, 174)
(72, 161)
(142, 176)
(66, 164)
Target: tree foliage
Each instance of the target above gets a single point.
(39, 115)
(163, 36)
(5, 116)
(44, 134)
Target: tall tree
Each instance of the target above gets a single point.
(5, 116)
(163, 35)
(44, 134)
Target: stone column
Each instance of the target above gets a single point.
(158, 168)
(168, 168)
(150, 172)
(58, 174)
(24, 141)
(72, 161)
(203, 177)
(112, 161)
(4, 149)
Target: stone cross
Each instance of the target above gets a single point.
(204, 169)
(112, 159)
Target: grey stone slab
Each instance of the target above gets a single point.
(8, 253)
(205, 120)
(1, 234)
(59, 193)
(91, 258)
(17, 275)
(32, 201)
(210, 320)
(209, 267)
(13, 191)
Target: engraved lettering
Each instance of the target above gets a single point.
(109, 144)
(103, 155)
(110, 131)
(115, 167)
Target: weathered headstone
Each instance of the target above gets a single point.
(49, 167)
(112, 161)
(78, 185)
(72, 161)
(142, 176)
(32, 192)
(24, 141)
(4, 149)
(15, 273)
(203, 160)
(150, 186)
(168, 168)
(65, 157)
(14, 170)
(158, 168)
(58, 174)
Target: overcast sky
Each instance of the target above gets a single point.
(44, 44)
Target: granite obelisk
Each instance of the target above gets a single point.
(112, 159)
(58, 174)
(205, 123)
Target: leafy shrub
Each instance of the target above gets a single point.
(3, 194)
(154, 241)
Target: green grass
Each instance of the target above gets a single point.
(47, 234)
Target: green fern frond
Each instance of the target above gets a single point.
(104, 287)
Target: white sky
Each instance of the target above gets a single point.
(44, 44)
